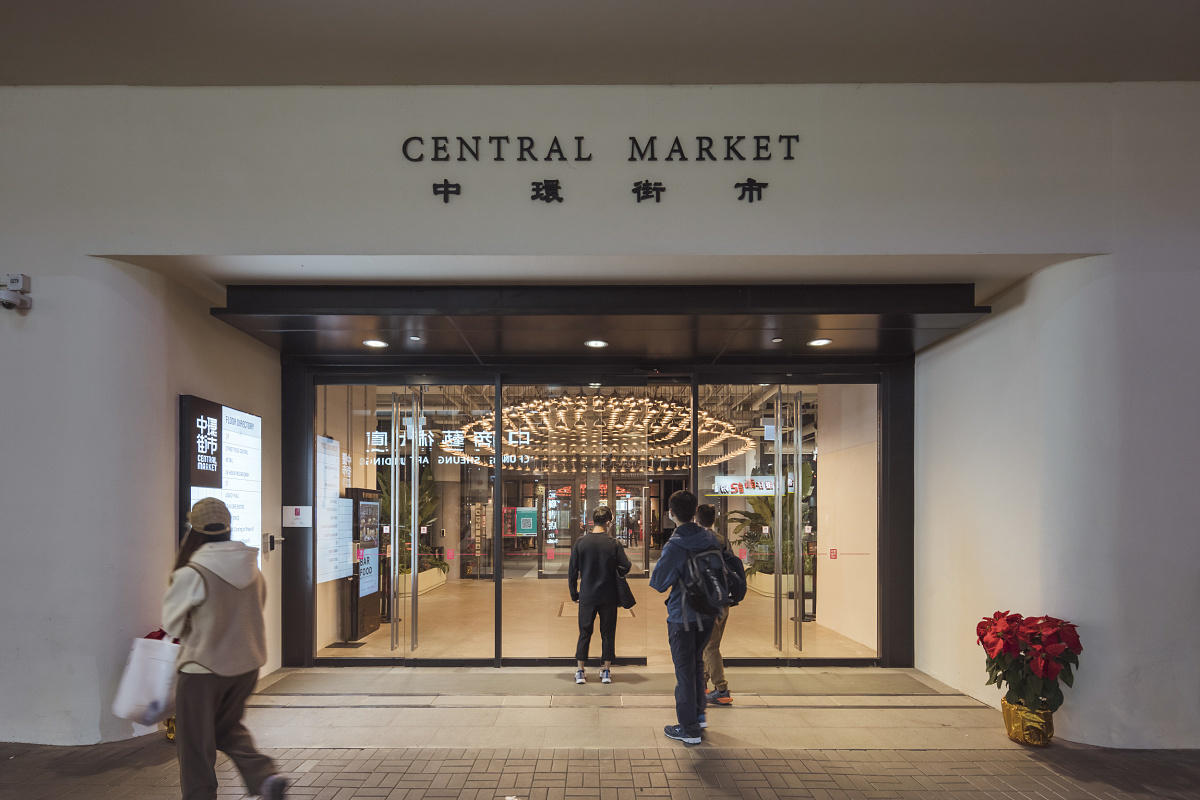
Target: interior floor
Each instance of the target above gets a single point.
(457, 620)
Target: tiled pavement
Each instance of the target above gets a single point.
(505, 734)
(144, 769)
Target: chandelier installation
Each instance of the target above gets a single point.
(600, 433)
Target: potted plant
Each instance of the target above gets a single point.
(1030, 655)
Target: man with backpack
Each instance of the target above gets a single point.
(703, 581)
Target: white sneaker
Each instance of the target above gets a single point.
(579, 676)
(605, 676)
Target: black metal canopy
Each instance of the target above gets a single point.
(691, 324)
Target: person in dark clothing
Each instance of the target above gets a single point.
(596, 558)
(687, 629)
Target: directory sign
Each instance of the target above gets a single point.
(333, 516)
(221, 457)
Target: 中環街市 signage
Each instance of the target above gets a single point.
(221, 452)
(551, 189)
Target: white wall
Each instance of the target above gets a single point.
(848, 510)
(1080, 396)
(89, 414)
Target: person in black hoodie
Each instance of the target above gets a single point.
(687, 629)
(596, 558)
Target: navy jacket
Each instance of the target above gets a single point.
(688, 537)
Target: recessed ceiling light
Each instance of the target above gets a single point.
(594, 385)
(820, 342)
(777, 339)
(596, 343)
(414, 338)
(375, 343)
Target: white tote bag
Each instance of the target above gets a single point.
(147, 691)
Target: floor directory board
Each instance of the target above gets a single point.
(221, 457)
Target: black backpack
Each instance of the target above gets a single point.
(710, 584)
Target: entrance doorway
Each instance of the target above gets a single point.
(444, 520)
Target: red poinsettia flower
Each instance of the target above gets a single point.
(1070, 637)
(1043, 660)
(999, 634)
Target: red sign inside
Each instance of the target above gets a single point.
(550, 553)
(742, 554)
(833, 552)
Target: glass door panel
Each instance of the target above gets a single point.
(444, 587)
(567, 451)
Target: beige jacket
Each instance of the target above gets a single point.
(214, 607)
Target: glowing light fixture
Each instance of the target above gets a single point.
(820, 342)
(596, 343)
(777, 339)
(604, 433)
(414, 338)
(374, 343)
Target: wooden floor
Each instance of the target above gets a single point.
(457, 620)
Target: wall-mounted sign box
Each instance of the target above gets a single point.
(220, 451)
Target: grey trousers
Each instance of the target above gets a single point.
(208, 718)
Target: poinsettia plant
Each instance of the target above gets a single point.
(1031, 655)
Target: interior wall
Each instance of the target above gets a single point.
(89, 413)
(848, 510)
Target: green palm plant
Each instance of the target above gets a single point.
(754, 527)
(427, 508)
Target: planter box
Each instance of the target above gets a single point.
(427, 581)
(764, 583)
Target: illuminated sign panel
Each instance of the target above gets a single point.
(221, 454)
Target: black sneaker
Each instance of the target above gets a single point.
(677, 732)
(274, 788)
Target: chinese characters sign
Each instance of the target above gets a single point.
(221, 452)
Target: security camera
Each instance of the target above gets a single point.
(17, 293)
(12, 300)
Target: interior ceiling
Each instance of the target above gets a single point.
(473, 42)
(651, 328)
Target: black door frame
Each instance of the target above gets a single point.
(302, 375)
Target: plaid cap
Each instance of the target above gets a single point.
(209, 515)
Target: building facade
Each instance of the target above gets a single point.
(1054, 441)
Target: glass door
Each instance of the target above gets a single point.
(441, 523)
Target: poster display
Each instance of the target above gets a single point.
(221, 453)
(333, 526)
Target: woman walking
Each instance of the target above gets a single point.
(214, 607)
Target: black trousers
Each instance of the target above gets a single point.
(608, 630)
(208, 718)
(687, 653)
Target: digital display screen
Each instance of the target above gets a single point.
(221, 452)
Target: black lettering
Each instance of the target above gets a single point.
(762, 144)
(555, 147)
(731, 143)
(676, 147)
(441, 148)
(463, 147)
(409, 141)
(638, 153)
(526, 143)
(789, 138)
(579, 150)
(704, 147)
(496, 140)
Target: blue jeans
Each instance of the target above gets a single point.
(687, 653)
